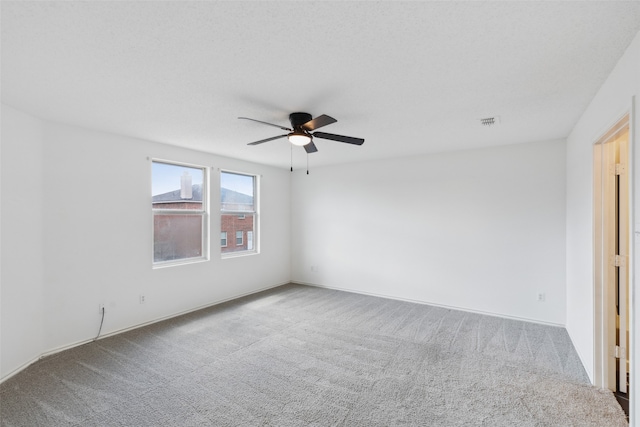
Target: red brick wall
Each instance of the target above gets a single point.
(233, 223)
(178, 239)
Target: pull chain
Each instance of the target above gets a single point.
(291, 157)
(307, 163)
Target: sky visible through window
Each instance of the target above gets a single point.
(166, 177)
(236, 182)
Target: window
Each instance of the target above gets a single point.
(239, 213)
(250, 240)
(179, 208)
(223, 239)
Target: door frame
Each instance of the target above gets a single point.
(603, 377)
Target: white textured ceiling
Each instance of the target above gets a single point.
(409, 77)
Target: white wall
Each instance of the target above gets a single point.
(612, 101)
(94, 204)
(481, 230)
(21, 228)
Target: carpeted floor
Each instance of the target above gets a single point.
(304, 356)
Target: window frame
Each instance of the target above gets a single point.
(226, 239)
(250, 240)
(255, 214)
(203, 213)
(241, 238)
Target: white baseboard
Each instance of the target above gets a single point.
(468, 310)
(20, 368)
(56, 350)
(214, 303)
(589, 374)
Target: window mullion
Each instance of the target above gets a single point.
(178, 212)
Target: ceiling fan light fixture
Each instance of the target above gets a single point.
(299, 138)
(302, 124)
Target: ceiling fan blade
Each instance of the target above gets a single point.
(318, 122)
(267, 140)
(341, 138)
(310, 148)
(266, 123)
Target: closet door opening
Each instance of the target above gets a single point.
(611, 252)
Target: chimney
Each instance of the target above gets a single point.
(185, 186)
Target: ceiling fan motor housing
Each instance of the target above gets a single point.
(298, 119)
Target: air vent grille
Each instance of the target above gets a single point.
(490, 121)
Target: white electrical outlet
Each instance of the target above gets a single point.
(142, 299)
(315, 269)
(541, 297)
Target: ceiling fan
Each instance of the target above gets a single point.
(300, 133)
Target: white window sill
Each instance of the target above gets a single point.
(239, 254)
(165, 264)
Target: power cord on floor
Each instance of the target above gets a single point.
(101, 322)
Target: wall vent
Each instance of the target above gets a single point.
(490, 121)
